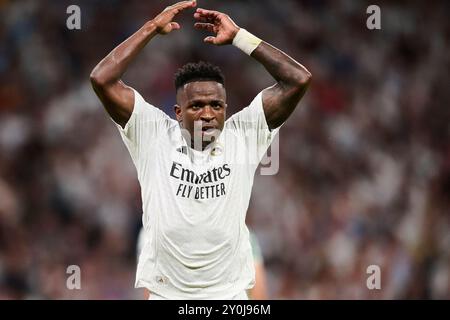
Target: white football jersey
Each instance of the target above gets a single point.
(196, 243)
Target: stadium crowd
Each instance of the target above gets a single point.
(364, 162)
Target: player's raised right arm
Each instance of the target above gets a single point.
(118, 98)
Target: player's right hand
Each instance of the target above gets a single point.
(163, 21)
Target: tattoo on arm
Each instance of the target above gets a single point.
(280, 100)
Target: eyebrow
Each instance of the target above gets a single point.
(200, 101)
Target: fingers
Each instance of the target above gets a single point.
(208, 19)
(204, 26)
(175, 26)
(208, 13)
(210, 39)
(184, 5)
(201, 18)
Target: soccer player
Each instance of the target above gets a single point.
(196, 172)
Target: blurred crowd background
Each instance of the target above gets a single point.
(364, 174)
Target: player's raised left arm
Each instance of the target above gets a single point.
(279, 100)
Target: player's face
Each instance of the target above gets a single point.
(200, 109)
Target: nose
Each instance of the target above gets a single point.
(207, 113)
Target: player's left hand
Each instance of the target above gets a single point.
(218, 23)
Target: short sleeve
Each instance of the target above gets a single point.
(146, 125)
(250, 123)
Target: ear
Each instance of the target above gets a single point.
(178, 113)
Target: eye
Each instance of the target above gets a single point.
(195, 106)
(216, 105)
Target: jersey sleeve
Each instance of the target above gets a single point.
(251, 125)
(146, 125)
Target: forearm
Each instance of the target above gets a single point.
(280, 100)
(285, 70)
(114, 65)
(292, 79)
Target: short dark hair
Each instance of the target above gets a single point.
(198, 71)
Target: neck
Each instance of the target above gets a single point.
(196, 144)
(201, 146)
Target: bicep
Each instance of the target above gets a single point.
(118, 100)
(279, 102)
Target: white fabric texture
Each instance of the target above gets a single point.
(196, 243)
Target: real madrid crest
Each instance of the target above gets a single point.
(216, 150)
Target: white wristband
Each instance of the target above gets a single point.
(246, 41)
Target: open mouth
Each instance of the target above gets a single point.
(208, 129)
